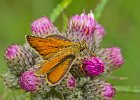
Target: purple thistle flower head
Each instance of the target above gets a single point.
(83, 23)
(93, 66)
(84, 27)
(12, 51)
(99, 31)
(115, 56)
(71, 82)
(28, 81)
(108, 91)
(41, 26)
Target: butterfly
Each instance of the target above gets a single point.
(59, 54)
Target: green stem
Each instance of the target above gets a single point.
(59, 8)
(65, 22)
(99, 9)
(1, 76)
(132, 89)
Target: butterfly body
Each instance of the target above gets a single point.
(59, 54)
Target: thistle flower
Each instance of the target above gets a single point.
(71, 82)
(68, 88)
(28, 81)
(115, 56)
(108, 91)
(81, 27)
(83, 23)
(93, 66)
(32, 83)
(99, 30)
(99, 33)
(112, 57)
(98, 90)
(12, 52)
(42, 27)
(18, 59)
(84, 27)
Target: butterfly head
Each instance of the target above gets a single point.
(83, 45)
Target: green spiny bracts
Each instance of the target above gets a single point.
(18, 59)
(98, 89)
(11, 81)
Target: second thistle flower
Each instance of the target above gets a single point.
(42, 27)
(93, 66)
(84, 27)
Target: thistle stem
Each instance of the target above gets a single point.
(131, 89)
(99, 9)
(59, 8)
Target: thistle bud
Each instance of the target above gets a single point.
(71, 82)
(115, 56)
(42, 27)
(99, 33)
(112, 58)
(93, 66)
(99, 90)
(18, 59)
(12, 52)
(28, 81)
(108, 91)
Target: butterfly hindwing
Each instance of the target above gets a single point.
(59, 71)
(49, 65)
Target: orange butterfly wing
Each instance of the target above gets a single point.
(60, 70)
(49, 65)
(46, 47)
(57, 61)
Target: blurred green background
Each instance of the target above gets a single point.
(120, 19)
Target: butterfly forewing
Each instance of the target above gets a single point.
(48, 46)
